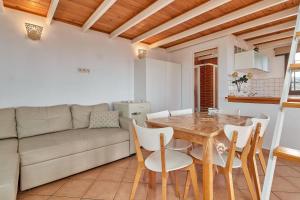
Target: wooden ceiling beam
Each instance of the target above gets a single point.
(1, 6)
(219, 21)
(268, 30)
(104, 6)
(153, 8)
(51, 11)
(272, 37)
(210, 5)
(275, 44)
(251, 24)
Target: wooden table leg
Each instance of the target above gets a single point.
(152, 179)
(208, 170)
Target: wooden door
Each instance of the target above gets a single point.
(205, 84)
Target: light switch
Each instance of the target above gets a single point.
(84, 70)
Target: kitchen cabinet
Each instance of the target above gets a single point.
(250, 60)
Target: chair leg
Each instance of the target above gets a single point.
(229, 182)
(262, 161)
(254, 173)
(248, 180)
(164, 186)
(173, 176)
(136, 181)
(193, 175)
(187, 185)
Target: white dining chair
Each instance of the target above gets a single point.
(181, 112)
(174, 144)
(161, 160)
(240, 137)
(162, 114)
(229, 112)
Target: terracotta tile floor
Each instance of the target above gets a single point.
(113, 182)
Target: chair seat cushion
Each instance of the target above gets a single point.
(56, 145)
(174, 160)
(9, 173)
(179, 145)
(218, 159)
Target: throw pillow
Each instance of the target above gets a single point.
(104, 119)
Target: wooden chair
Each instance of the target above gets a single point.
(264, 122)
(261, 122)
(174, 144)
(240, 137)
(161, 160)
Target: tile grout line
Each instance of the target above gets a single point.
(92, 184)
(121, 181)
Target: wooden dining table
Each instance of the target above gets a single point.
(200, 128)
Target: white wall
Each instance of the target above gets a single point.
(37, 73)
(225, 47)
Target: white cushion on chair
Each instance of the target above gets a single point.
(174, 160)
(218, 159)
(179, 145)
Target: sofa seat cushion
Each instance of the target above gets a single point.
(9, 173)
(9, 146)
(56, 145)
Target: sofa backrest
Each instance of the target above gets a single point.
(81, 114)
(40, 120)
(8, 146)
(8, 123)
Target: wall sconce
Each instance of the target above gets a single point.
(34, 32)
(142, 53)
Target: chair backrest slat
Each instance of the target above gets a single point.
(244, 132)
(264, 121)
(149, 138)
(161, 114)
(181, 112)
(229, 112)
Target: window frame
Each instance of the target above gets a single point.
(291, 92)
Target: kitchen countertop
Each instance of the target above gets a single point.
(259, 100)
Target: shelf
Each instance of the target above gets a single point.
(259, 100)
(287, 154)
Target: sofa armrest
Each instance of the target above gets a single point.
(126, 123)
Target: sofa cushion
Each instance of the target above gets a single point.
(40, 120)
(56, 145)
(9, 173)
(7, 123)
(9, 145)
(81, 114)
(107, 119)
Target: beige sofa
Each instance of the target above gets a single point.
(9, 158)
(55, 142)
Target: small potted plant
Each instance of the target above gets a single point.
(240, 80)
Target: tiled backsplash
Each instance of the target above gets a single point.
(271, 87)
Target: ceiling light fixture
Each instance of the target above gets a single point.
(34, 32)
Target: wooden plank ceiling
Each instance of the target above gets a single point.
(77, 12)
